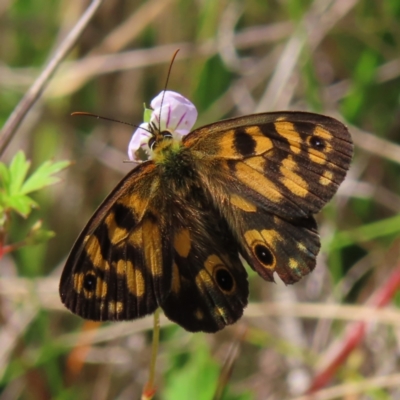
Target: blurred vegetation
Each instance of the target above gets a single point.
(337, 57)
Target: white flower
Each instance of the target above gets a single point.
(178, 116)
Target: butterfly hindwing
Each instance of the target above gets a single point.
(120, 266)
(272, 244)
(209, 283)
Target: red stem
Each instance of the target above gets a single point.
(355, 333)
(5, 250)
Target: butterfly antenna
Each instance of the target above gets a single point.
(165, 86)
(87, 114)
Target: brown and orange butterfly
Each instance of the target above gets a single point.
(171, 232)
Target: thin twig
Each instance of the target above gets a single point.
(376, 145)
(20, 111)
(321, 18)
(20, 77)
(94, 65)
(19, 289)
(124, 34)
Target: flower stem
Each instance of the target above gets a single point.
(149, 389)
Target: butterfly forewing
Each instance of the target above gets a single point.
(291, 163)
(120, 266)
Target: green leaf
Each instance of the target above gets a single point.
(4, 176)
(147, 114)
(13, 189)
(198, 378)
(371, 231)
(2, 216)
(42, 177)
(18, 170)
(21, 204)
(37, 236)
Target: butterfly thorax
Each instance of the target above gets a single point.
(179, 180)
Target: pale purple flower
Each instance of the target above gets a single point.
(178, 116)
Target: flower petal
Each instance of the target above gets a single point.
(177, 113)
(140, 139)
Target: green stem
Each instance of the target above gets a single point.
(149, 389)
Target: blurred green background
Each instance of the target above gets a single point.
(337, 57)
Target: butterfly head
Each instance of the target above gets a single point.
(159, 138)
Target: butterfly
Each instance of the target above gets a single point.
(175, 231)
